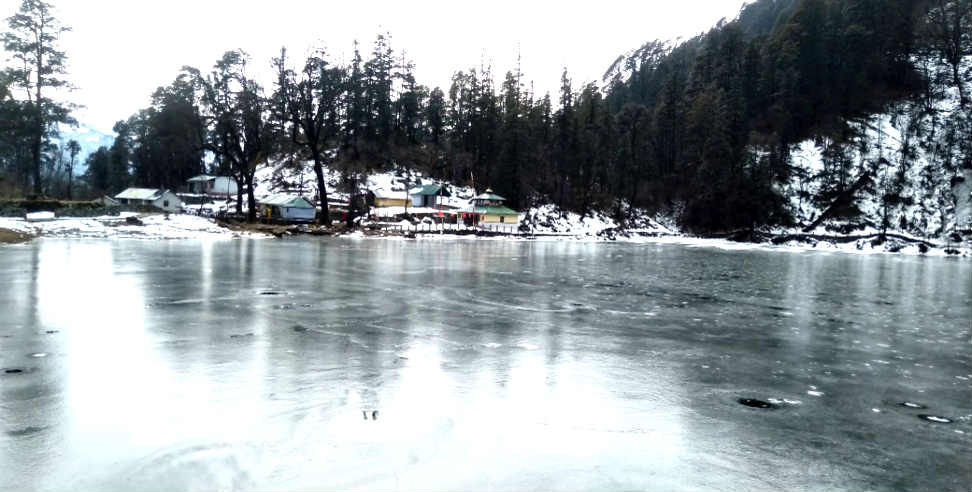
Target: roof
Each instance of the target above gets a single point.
(206, 177)
(390, 194)
(286, 200)
(432, 189)
(488, 196)
(140, 194)
(492, 210)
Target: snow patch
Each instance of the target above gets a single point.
(155, 226)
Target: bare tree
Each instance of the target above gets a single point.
(308, 106)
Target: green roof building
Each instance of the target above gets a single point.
(488, 208)
(428, 195)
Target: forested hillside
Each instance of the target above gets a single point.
(847, 114)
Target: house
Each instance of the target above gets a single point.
(488, 208)
(160, 199)
(387, 198)
(284, 206)
(213, 185)
(428, 195)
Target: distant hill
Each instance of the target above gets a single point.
(89, 138)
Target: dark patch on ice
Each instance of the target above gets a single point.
(299, 328)
(26, 431)
(611, 285)
(270, 293)
(935, 418)
(908, 404)
(51, 332)
(750, 402)
(13, 370)
(374, 415)
(241, 335)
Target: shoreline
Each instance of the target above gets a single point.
(847, 245)
(182, 226)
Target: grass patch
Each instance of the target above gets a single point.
(13, 237)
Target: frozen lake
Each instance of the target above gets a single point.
(368, 364)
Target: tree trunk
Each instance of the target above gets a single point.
(239, 196)
(39, 115)
(957, 79)
(70, 179)
(842, 199)
(36, 157)
(350, 218)
(250, 199)
(325, 217)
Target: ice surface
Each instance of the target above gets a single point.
(166, 368)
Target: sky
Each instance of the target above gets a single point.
(120, 51)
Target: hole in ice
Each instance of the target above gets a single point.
(299, 328)
(269, 293)
(51, 332)
(909, 404)
(241, 335)
(935, 418)
(13, 371)
(750, 402)
(26, 431)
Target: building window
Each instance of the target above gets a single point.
(502, 218)
(165, 203)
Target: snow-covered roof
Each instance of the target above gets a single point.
(432, 189)
(390, 194)
(489, 195)
(206, 177)
(286, 200)
(140, 194)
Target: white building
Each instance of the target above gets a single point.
(160, 199)
(213, 185)
(284, 206)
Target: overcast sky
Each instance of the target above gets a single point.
(121, 50)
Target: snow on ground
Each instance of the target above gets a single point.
(860, 247)
(549, 219)
(913, 140)
(154, 226)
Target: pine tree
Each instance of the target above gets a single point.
(39, 65)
